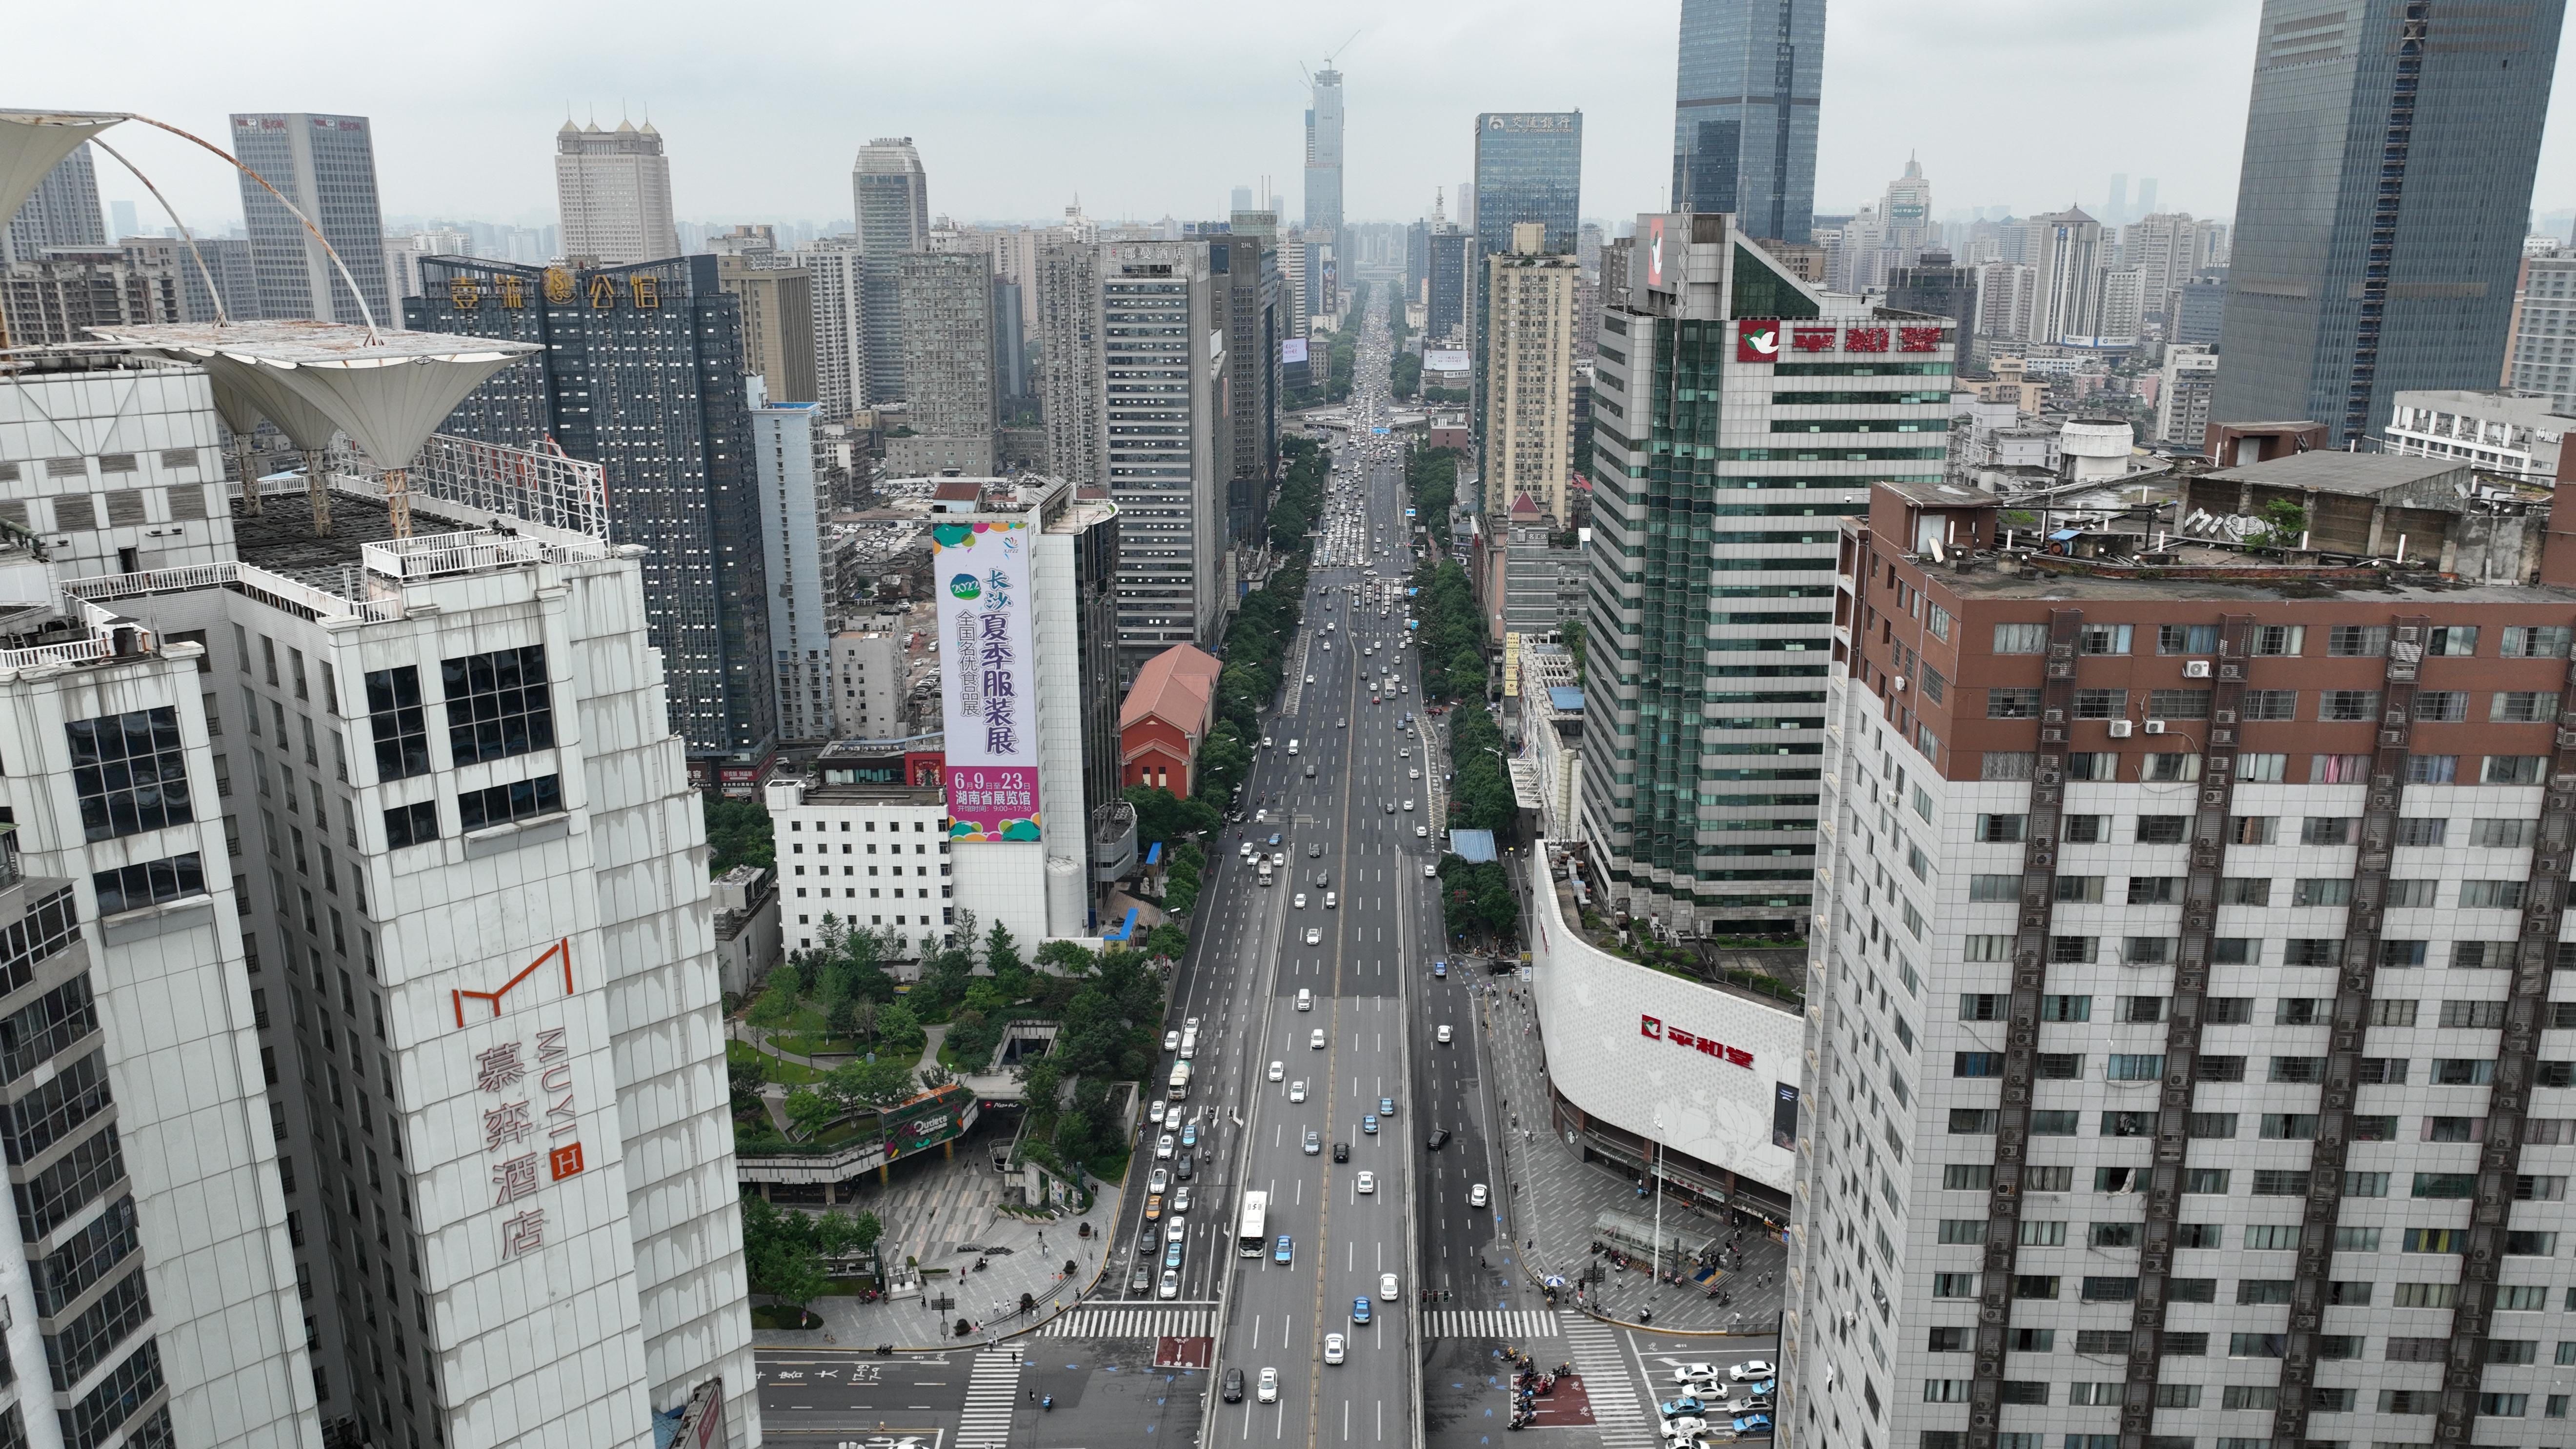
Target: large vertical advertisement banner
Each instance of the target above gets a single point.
(988, 680)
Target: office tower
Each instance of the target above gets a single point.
(613, 191)
(2151, 1172)
(227, 259)
(2066, 285)
(2146, 196)
(1751, 77)
(1587, 249)
(2116, 210)
(2165, 248)
(948, 365)
(837, 274)
(1324, 153)
(2386, 155)
(2542, 355)
(1157, 314)
(327, 166)
(642, 375)
(61, 212)
(1905, 214)
(1529, 377)
(1069, 372)
(1010, 340)
(1933, 285)
(891, 197)
(1529, 167)
(2199, 310)
(795, 494)
(1688, 844)
(1242, 199)
(1417, 260)
(2182, 396)
(1245, 301)
(777, 309)
(57, 298)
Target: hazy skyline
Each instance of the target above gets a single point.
(1140, 109)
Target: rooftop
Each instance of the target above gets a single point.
(2324, 470)
(304, 343)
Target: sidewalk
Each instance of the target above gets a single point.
(945, 1213)
(1557, 1196)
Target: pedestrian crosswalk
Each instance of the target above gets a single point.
(1498, 1324)
(992, 1391)
(1596, 1354)
(1132, 1323)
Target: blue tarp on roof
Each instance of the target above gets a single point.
(2063, 534)
(1154, 854)
(1565, 698)
(1126, 932)
(1472, 846)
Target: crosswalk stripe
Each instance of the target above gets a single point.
(991, 1388)
(1596, 1355)
(1132, 1323)
(1492, 1323)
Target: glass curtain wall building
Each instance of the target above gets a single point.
(1529, 167)
(1744, 112)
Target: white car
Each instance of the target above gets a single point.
(1408, 804)
(1268, 1392)
(1330, 900)
(1310, 679)
(1695, 1373)
(1386, 1286)
(1413, 774)
(1171, 1041)
(1278, 1070)
(1297, 1091)
(1314, 937)
(1333, 1348)
(1163, 1146)
(1752, 1368)
(1278, 857)
(1422, 832)
(1367, 1183)
(1175, 1229)
(1171, 1285)
(1316, 1039)
(1404, 754)
(1476, 1195)
(1444, 1038)
(1429, 872)
(1300, 902)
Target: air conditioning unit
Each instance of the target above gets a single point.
(2195, 669)
(2120, 729)
(1900, 682)
(2155, 727)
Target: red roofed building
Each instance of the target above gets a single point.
(1168, 711)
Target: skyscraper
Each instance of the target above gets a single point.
(1744, 117)
(947, 303)
(62, 212)
(1166, 445)
(890, 195)
(837, 272)
(1529, 377)
(613, 189)
(1069, 374)
(1529, 167)
(2066, 296)
(327, 165)
(793, 464)
(1905, 216)
(2389, 155)
(1324, 153)
(642, 374)
(777, 323)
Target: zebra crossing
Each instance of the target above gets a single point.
(1132, 1323)
(1608, 1381)
(992, 1391)
(1503, 1325)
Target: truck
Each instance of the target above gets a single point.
(1265, 873)
(1180, 1081)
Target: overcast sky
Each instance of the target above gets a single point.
(1148, 107)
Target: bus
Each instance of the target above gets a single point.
(1251, 1238)
(1180, 1081)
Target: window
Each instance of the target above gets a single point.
(2012, 704)
(2101, 703)
(395, 718)
(2178, 704)
(2491, 895)
(1967, 1176)
(2462, 1071)
(1973, 1121)
(2169, 765)
(2102, 638)
(2298, 1011)
(2054, 1122)
(498, 704)
(2453, 641)
(2420, 830)
(2432, 769)
(2128, 1124)
(2245, 890)
(2147, 890)
(2441, 706)
(2186, 638)
(2001, 829)
(2161, 829)
(2290, 1126)
(1991, 887)
(2149, 950)
(2327, 830)
(2523, 706)
(2005, 765)
(1982, 1006)
(2388, 1011)
(2417, 893)
(2269, 704)
(2253, 829)
(2049, 1179)
(2383, 1071)
(2361, 640)
(2061, 1066)
(2228, 1010)
(2262, 1290)
(2066, 1008)
(2280, 1182)
(518, 800)
(2514, 770)
(2036, 1286)
(2481, 955)
(2262, 768)
(2536, 641)
(2309, 1070)
(133, 887)
(2135, 1067)
(1954, 1285)
(2079, 889)
(2324, 891)
(2314, 951)
(2484, 1015)
(2085, 829)
(1976, 1064)
(411, 825)
(2347, 705)
(2093, 765)
(131, 772)
(2280, 639)
(2500, 834)
(2021, 638)
(2222, 1069)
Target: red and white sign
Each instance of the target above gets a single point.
(1757, 341)
(1828, 337)
(1653, 1026)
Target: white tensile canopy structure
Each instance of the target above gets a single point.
(388, 391)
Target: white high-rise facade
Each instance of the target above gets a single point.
(613, 189)
(890, 198)
(1905, 213)
(2066, 295)
(839, 274)
(791, 460)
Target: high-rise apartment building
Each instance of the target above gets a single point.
(1905, 213)
(613, 190)
(891, 196)
(2164, 247)
(2542, 354)
(795, 466)
(1069, 374)
(56, 298)
(1750, 80)
(1711, 566)
(2007, 294)
(61, 212)
(836, 273)
(642, 375)
(1529, 377)
(947, 364)
(1324, 153)
(2066, 280)
(2252, 1140)
(327, 166)
(1529, 167)
(1243, 275)
(1166, 443)
(226, 258)
(777, 308)
(2381, 208)
(2182, 395)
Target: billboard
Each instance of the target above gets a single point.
(1655, 253)
(1784, 1116)
(988, 683)
(1444, 360)
(1292, 350)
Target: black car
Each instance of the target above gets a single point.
(1234, 1386)
(1341, 1152)
(1438, 1139)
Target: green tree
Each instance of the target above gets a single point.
(2284, 524)
(1167, 940)
(1002, 951)
(1575, 642)
(1467, 674)
(775, 1008)
(779, 1254)
(811, 1112)
(738, 833)
(898, 1025)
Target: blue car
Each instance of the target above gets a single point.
(1172, 1256)
(1687, 1404)
(1286, 1251)
(1753, 1424)
(1359, 1310)
(1368, 1123)
(1190, 1135)
(1386, 1106)
(1274, 837)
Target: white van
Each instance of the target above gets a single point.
(1305, 999)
